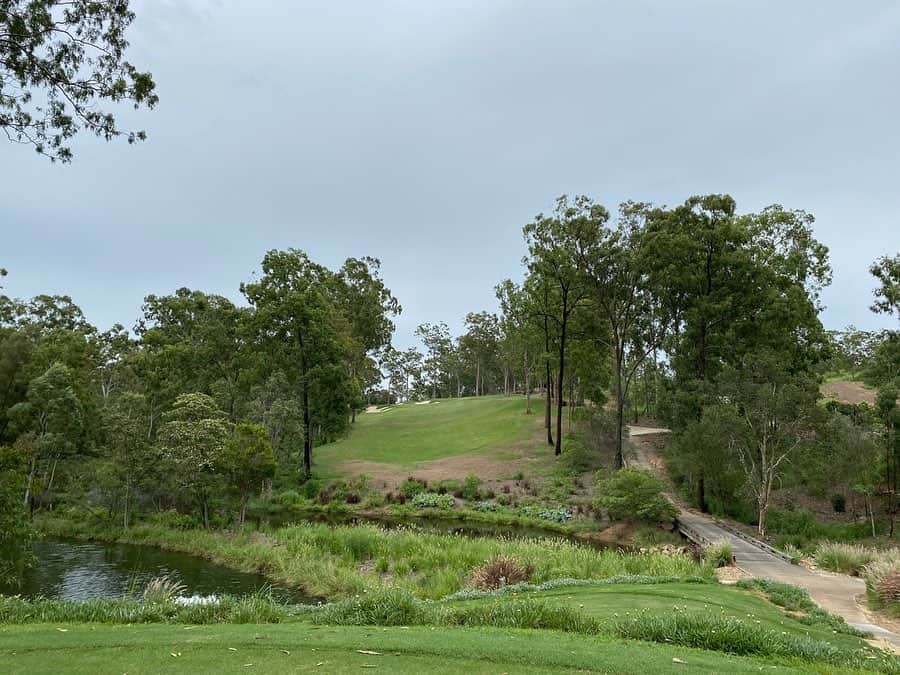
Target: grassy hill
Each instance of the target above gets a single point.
(448, 438)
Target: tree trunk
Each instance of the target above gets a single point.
(620, 405)
(243, 515)
(30, 480)
(125, 516)
(763, 510)
(527, 384)
(307, 434)
(559, 385)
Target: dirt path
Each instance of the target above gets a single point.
(836, 593)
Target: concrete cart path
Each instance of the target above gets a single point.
(836, 593)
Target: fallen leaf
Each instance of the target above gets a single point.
(369, 665)
(63, 630)
(247, 665)
(232, 649)
(320, 663)
(675, 659)
(173, 654)
(366, 651)
(285, 651)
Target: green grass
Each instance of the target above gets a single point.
(90, 649)
(616, 602)
(333, 562)
(409, 433)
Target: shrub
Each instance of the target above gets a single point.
(634, 495)
(519, 475)
(432, 500)
(471, 489)
(311, 488)
(348, 492)
(719, 553)
(501, 571)
(844, 558)
(559, 514)
(486, 506)
(411, 487)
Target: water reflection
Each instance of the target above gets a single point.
(73, 570)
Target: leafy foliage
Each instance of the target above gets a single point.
(634, 495)
(58, 61)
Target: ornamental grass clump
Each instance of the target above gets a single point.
(719, 553)
(163, 589)
(501, 571)
(843, 558)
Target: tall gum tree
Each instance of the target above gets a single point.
(299, 328)
(552, 255)
(613, 262)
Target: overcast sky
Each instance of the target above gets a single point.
(428, 133)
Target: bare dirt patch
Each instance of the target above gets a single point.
(847, 391)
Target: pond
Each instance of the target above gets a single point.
(76, 570)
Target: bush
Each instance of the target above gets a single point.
(411, 487)
(634, 495)
(844, 558)
(348, 492)
(432, 500)
(486, 506)
(719, 553)
(471, 489)
(311, 488)
(559, 514)
(501, 571)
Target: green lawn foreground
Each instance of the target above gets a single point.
(278, 648)
(411, 433)
(614, 602)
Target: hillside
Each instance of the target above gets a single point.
(448, 438)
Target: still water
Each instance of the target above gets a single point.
(75, 570)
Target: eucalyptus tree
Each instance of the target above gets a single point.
(614, 262)
(60, 60)
(520, 334)
(197, 342)
(769, 414)
(733, 286)
(553, 257)
(367, 305)
(438, 345)
(480, 343)
(192, 438)
(298, 324)
(132, 459)
(247, 462)
(51, 419)
(886, 271)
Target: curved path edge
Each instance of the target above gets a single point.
(835, 593)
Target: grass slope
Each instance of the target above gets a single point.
(409, 433)
(283, 648)
(616, 602)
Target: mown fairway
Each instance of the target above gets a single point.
(280, 648)
(409, 434)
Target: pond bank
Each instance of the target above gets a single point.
(325, 561)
